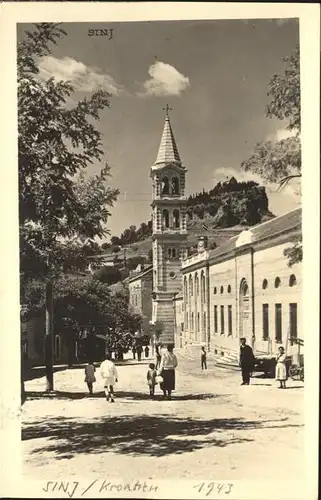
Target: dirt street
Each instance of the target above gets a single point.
(212, 426)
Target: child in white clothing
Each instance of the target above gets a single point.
(109, 374)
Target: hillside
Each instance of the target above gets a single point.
(219, 213)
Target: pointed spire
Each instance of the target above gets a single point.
(167, 152)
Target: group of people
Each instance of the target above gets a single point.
(139, 351)
(162, 372)
(247, 360)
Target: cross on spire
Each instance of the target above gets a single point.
(167, 109)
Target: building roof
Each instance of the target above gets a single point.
(273, 227)
(140, 275)
(167, 152)
(277, 225)
(179, 295)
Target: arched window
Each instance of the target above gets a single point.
(229, 289)
(175, 185)
(190, 286)
(221, 289)
(174, 253)
(165, 185)
(197, 287)
(165, 218)
(185, 288)
(176, 218)
(265, 284)
(203, 286)
(277, 282)
(244, 289)
(292, 280)
(169, 253)
(215, 290)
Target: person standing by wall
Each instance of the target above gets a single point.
(246, 361)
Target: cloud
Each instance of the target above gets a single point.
(165, 80)
(281, 134)
(82, 77)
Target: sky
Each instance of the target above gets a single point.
(213, 74)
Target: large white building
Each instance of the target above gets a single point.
(243, 288)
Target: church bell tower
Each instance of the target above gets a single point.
(169, 230)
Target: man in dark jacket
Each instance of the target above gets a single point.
(246, 361)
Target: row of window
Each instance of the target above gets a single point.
(222, 289)
(277, 282)
(195, 287)
(165, 219)
(198, 320)
(134, 300)
(293, 323)
(170, 186)
(222, 320)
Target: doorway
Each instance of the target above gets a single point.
(245, 323)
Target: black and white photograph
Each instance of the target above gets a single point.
(161, 257)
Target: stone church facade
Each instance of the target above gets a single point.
(243, 288)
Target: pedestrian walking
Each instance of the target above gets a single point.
(146, 351)
(109, 374)
(90, 376)
(134, 352)
(139, 351)
(167, 368)
(246, 361)
(203, 358)
(280, 369)
(151, 379)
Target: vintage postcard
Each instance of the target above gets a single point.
(159, 285)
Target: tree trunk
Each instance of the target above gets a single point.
(22, 382)
(49, 338)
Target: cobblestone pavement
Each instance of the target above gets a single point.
(212, 427)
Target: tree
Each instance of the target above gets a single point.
(280, 161)
(60, 208)
(108, 275)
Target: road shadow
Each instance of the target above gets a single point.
(142, 435)
(153, 436)
(130, 395)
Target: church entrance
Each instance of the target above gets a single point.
(245, 320)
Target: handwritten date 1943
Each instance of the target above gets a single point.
(211, 487)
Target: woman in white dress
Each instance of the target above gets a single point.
(280, 369)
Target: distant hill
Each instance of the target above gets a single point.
(227, 205)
